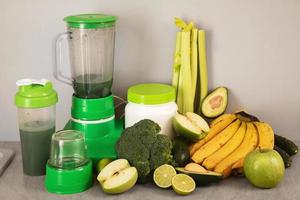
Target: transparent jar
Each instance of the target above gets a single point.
(91, 52)
(36, 116)
(68, 150)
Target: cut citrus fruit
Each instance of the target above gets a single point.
(163, 176)
(183, 184)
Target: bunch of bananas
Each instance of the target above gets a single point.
(230, 139)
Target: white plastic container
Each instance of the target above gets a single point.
(151, 101)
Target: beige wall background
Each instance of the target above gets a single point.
(253, 49)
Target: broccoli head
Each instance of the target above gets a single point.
(144, 148)
(161, 151)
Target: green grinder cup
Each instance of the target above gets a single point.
(36, 101)
(68, 170)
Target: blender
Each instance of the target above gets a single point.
(90, 39)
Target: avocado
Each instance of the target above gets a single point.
(285, 156)
(287, 145)
(215, 103)
(246, 117)
(180, 152)
(202, 178)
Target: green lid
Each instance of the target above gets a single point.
(90, 21)
(151, 93)
(35, 94)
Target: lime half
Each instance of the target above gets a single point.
(183, 184)
(163, 176)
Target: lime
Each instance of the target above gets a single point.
(183, 184)
(102, 163)
(163, 175)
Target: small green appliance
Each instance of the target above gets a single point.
(68, 169)
(90, 40)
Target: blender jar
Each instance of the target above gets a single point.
(36, 115)
(69, 170)
(91, 51)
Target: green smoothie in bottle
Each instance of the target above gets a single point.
(36, 101)
(35, 142)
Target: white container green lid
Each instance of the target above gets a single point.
(151, 94)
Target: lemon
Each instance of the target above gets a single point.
(183, 184)
(163, 176)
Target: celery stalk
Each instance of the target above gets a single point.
(185, 77)
(188, 27)
(194, 60)
(202, 67)
(180, 23)
(176, 64)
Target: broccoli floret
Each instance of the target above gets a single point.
(161, 151)
(143, 168)
(136, 151)
(144, 148)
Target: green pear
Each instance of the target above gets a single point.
(117, 177)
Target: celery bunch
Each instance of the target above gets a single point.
(189, 58)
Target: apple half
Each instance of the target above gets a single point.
(117, 177)
(191, 126)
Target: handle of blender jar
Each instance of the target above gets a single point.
(58, 74)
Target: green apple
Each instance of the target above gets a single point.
(117, 177)
(102, 163)
(191, 126)
(264, 168)
(198, 121)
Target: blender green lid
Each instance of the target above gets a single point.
(91, 21)
(151, 93)
(35, 94)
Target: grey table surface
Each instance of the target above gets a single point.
(14, 185)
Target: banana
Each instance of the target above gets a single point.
(265, 135)
(240, 163)
(222, 118)
(216, 143)
(249, 143)
(221, 123)
(234, 142)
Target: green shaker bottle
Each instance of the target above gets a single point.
(36, 101)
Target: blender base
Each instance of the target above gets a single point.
(95, 118)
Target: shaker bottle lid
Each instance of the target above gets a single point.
(90, 21)
(35, 93)
(151, 93)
